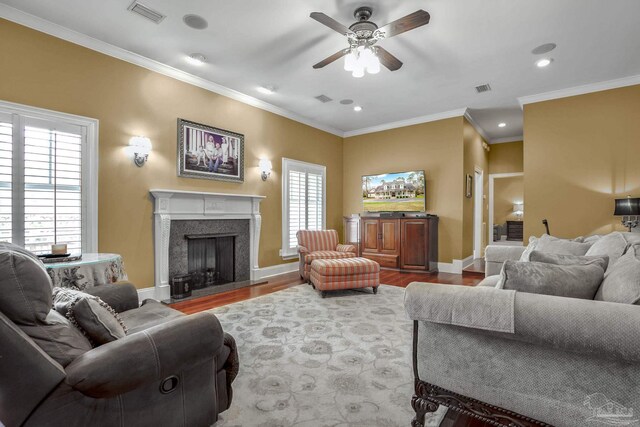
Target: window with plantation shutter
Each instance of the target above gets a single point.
(303, 201)
(48, 179)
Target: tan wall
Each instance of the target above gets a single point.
(475, 156)
(506, 157)
(580, 153)
(435, 147)
(506, 192)
(47, 72)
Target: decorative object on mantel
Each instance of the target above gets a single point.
(469, 187)
(629, 210)
(92, 270)
(209, 153)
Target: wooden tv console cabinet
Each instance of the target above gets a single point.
(400, 241)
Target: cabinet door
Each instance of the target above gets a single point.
(415, 244)
(390, 236)
(370, 238)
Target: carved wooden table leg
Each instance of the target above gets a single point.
(421, 406)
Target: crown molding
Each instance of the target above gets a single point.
(579, 90)
(408, 122)
(476, 126)
(75, 37)
(507, 139)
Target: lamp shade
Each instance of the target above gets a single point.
(518, 207)
(627, 206)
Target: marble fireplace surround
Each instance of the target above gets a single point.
(174, 205)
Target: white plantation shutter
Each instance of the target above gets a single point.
(44, 180)
(303, 200)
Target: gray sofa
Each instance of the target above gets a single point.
(495, 353)
(169, 370)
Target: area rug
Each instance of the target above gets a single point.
(307, 361)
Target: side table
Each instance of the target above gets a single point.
(92, 270)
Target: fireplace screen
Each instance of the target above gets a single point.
(211, 259)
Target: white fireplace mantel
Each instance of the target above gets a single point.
(173, 205)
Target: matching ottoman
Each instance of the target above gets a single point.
(349, 273)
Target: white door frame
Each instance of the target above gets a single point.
(478, 193)
(492, 178)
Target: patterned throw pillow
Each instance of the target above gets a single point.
(63, 298)
(97, 320)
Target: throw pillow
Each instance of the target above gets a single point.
(572, 281)
(622, 282)
(63, 298)
(612, 245)
(100, 323)
(537, 256)
(555, 245)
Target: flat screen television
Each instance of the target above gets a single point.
(394, 192)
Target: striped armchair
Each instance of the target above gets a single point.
(321, 244)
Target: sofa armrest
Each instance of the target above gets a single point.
(346, 248)
(600, 328)
(121, 296)
(496, 255)
(302, 251)
(147, 356)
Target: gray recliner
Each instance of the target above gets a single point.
(170, 369)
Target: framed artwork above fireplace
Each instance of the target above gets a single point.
(209, 153)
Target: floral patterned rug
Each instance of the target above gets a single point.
(305, 361)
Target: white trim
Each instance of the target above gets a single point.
(478, 211)
(287, 165)
(275, 270)
(408, 122)
(492, 177)
(146, 293)
(69, 35)
(579, 90)
(455, 266)
(476, 126)
(506, 139)
(90, 130)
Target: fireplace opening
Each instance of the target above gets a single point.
(211, 259)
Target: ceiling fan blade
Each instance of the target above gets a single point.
(339, 54)
(388, 60)
(331, 23)
(409, 22)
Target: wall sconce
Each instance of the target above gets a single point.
(518, 209)
(139, 148)
(265, 168)
(628, 209)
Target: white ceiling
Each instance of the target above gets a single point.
(468, 42)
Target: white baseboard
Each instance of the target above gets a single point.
(456, 266)
(163, 292)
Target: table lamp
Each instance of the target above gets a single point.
(628, 209)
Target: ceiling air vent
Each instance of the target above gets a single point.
(323, 98)
(146, 12)
(483, 88)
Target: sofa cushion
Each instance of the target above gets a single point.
(151, 313)
(57, 337)
(25, 286)
(572, 281)
(612, 245)
(490, 281)
(622, 282)
(309, 258)
(555, 245)
(537, 256)
(345, 267)
(97, 320)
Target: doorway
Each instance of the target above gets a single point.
(502, 208)
(478, 223)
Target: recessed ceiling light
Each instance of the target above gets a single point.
(544, 48)
(196, 59)
(196, 22)
(267, 90)
(357, 108)
(346, 101)
(541, 63)
(502, 124)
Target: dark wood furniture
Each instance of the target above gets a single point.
(515, 230)
(403, 242)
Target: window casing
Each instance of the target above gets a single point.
(303, 201)
(48, 179)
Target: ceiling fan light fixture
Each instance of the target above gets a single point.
(358, 72)
(350, 61)
(374, 66)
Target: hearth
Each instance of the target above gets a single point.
(210, 259)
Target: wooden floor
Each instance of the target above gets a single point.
(476, 268)
(284, 281)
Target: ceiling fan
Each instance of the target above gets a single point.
(362, 54)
